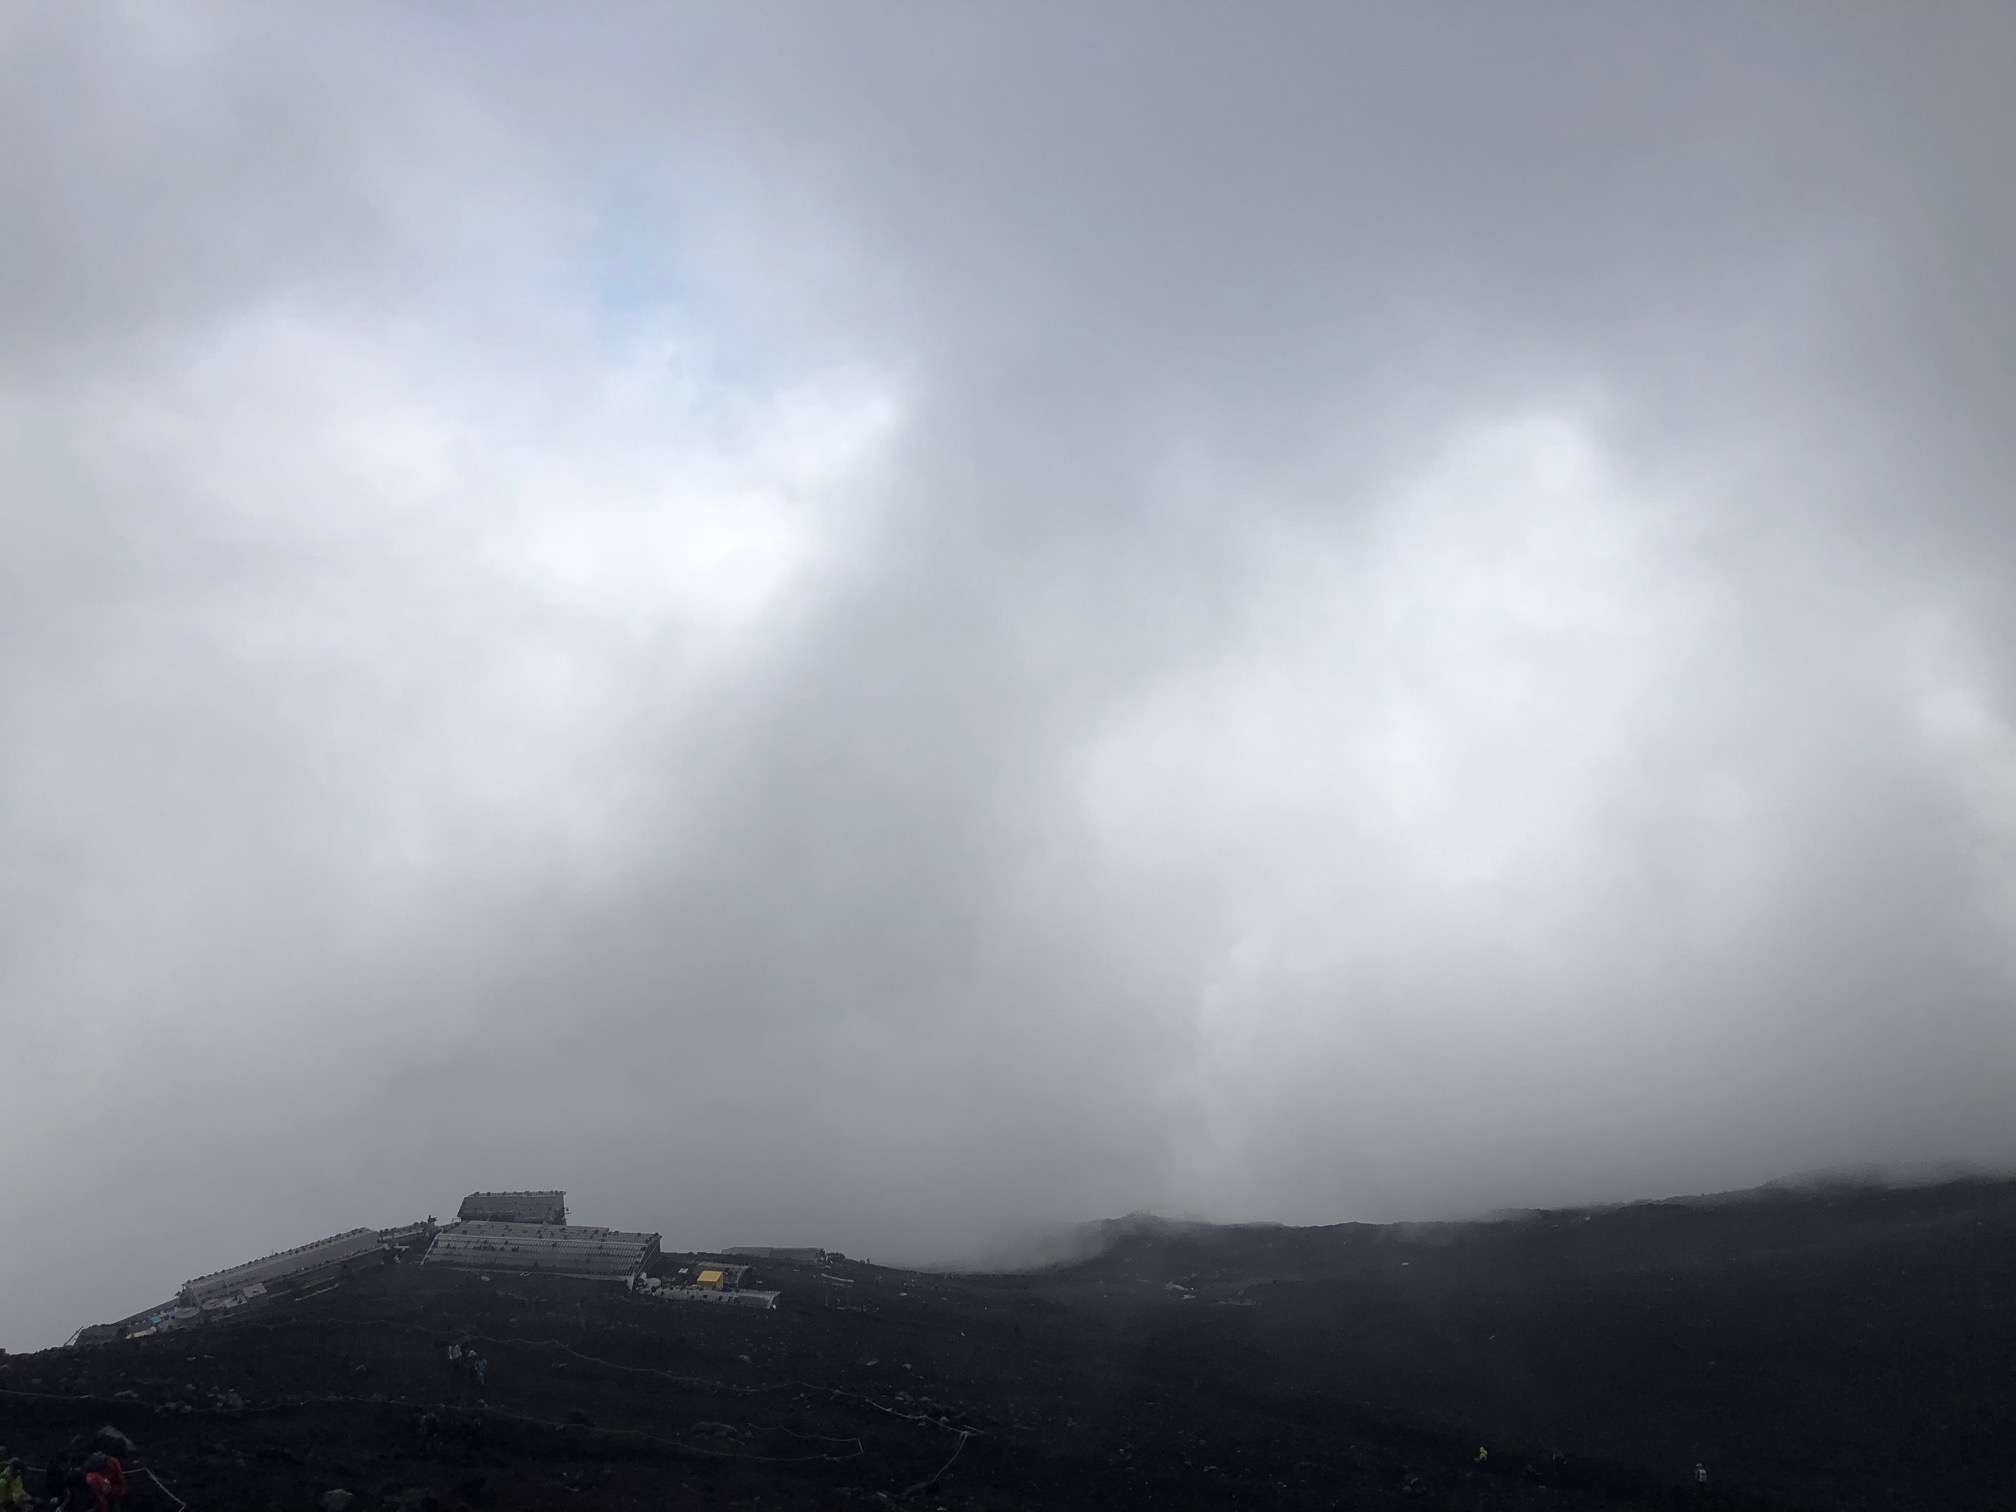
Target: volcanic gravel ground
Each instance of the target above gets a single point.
(1819, 1349)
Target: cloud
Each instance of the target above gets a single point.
(882, 629)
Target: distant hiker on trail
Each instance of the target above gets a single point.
(1701, 1476)
(109, 1440)
(56, 1479)
(13, 1489)
(105, 1483)
(108, 1477)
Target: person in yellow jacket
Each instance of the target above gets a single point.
(13, 1489)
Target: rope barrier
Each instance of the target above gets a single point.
(497, 1412)
(832, 1391)
(180, 1505)
(52, 1396)
(926, 1485)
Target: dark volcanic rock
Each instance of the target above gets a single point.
(1826, 1348)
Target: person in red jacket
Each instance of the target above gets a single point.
(107, 1479)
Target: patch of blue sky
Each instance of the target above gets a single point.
(647, 301)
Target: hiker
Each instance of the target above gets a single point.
(1701, 1476)
(78, 1494)
(477, 1367)
(13, 1488)
(109, 1440)
(56, 1478)
(111, 1478)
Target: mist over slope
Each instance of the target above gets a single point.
(1825, 1203)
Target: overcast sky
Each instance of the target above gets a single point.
(886, 625)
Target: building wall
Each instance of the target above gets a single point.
(543, 1249)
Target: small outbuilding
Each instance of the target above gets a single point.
(712, 1275)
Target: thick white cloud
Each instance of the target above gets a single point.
(881, 628)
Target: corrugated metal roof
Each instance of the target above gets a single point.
(333, 1250)
(514, 1207)
(529, 1248)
